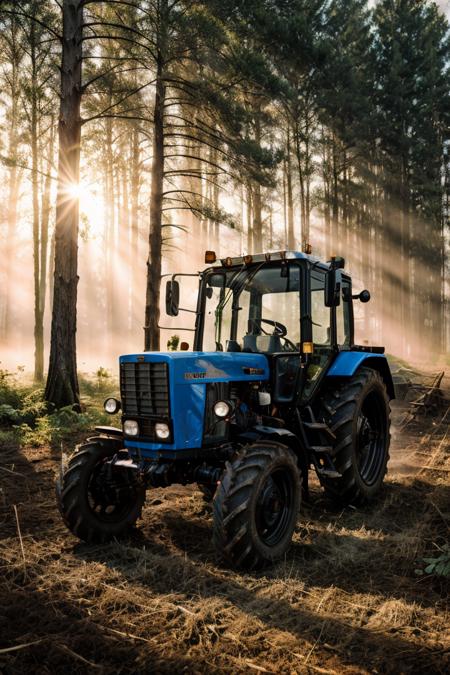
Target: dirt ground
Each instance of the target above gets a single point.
(346, 598)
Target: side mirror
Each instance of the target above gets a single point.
(364, 296)
(172, 297)
(333, 283)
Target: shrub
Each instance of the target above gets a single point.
(439, 565)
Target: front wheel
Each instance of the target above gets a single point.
(256, 506)
(97, 500)
(358, 413)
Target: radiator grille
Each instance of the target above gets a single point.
(144, 389)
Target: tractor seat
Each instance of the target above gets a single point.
(269, 344)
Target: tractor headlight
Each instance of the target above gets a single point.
(162, 430)
(222, 409)
(131, 428)
(112, 406)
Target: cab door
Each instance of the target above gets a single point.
(322, 333)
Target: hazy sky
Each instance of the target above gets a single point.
(443, 4)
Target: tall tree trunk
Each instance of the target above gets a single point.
(110, 226)
(13, 183)
(249, 219)
(152, 310)
(45, 220)
(256, 194)
(134, 203)
(38, 319)
(62, 382)
(306, 227)
(335, 197)
(216, 200)
(326, 190)
(285, 223)
(257, 219)
(289, 197)
(301, 177)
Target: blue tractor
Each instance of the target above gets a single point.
(274, 385)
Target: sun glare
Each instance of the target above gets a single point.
(75, 190)
(91, 205)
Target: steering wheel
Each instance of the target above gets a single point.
(280, 330)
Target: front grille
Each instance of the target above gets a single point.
(144, 389)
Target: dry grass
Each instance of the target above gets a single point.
(345, 600)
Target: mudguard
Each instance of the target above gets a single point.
(284, 436)
(110, 431)
(347, 363)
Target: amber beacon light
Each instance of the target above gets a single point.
(210, 257)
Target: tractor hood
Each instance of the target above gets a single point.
(176, 386)
(189, 367)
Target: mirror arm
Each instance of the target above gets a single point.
(191, 330)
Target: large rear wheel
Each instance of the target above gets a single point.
(97, 500)
(256, 506)
(359, 415)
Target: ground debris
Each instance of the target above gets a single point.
(345, 600)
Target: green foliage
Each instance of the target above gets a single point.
(26, 418)
(10, 392)
(8, 414)
(61, 424)
(173, 342)
(439, 565)
(19, 404)
(101, 382)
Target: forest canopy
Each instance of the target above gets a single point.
(135, 134)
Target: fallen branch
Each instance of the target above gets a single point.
(78, 656)
(16, 473)
(7, 650)
(20, 537)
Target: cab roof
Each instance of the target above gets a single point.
(268, 257)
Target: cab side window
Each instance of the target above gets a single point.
(321, 315)
(343, 316)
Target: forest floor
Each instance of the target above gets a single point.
(346, 599)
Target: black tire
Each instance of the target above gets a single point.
(256, 506)
(96, 501)
(358, 413)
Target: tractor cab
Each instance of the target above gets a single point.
(274, 385)
(289, 306)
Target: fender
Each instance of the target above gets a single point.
(111, 432)
(113, 438)
(285, 437)
(347, 363)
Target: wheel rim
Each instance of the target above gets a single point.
(274, 507)
(111, 493)
(371, 438)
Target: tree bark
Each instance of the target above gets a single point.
(62, 382)
(38, 318)
(14, 179)
(45, 220)
(289, 196)
(301, 178)
(249, 219)
(134, 239)
(257, 219)
(152, 309)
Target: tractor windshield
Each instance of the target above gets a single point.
(253, 309)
